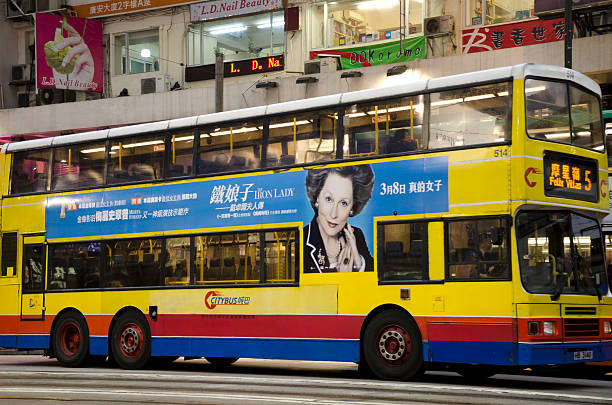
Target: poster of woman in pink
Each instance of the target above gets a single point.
(69, 53)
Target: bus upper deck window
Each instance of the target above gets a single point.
(552, 107)
(29, 173)
(384, 127)
(470, 116)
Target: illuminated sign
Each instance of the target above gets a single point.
(569, 176)
(236, 68)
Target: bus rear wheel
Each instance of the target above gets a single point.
(71, 340)
(392, 346)
(131, 341)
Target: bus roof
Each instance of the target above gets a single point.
(419, 86)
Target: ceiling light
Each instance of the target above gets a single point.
(446, 102)
(289, 124)
(275, 24)
(369, 5)
(480, 97)
(145, 53)
(534, 89)
(228, 29)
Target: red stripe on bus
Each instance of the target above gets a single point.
(470, 332)
(265, 326)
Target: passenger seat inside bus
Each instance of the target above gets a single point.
(237, 163)
(176, 171)
(150, 270)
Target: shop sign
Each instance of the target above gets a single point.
(377, 54)
(211, 10)
(236, 68)
(69, 53)
(548, 7)
(513, 35)
(88, 8)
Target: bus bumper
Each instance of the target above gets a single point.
(563, 353)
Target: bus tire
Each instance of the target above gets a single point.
(71, 340)
(131, 341)
(392, 346)
(221, 361)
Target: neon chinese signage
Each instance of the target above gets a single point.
(568, 176)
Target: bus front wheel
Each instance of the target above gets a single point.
(131, 341)
(71, 340)
(392, 346)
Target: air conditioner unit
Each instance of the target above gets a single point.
(155, 84)
(26, 99)
(438, 26)
(13, 6)
(321, 65)
(52, 96)
(20, 72)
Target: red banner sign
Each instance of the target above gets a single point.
(525, 33)
(69, 53)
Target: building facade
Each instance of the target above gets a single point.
(159, 57)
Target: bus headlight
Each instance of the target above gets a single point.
(533, 328)
(607, 326)
(548, 328)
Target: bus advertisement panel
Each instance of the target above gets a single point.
(409, 187)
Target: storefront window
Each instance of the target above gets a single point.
(336, 24)
(136, 52)
(238, 38)
(497, 11)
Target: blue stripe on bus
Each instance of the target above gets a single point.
(562, 353)
(508, 353)
(8, 341)
(502, 353)
(98, 345)
(32, 341)
(283, 349)
(341, 350)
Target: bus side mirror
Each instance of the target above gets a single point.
(497, 235)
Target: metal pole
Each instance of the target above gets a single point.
(568, 34)
(218, 82)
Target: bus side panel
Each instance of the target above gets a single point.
(483, 343)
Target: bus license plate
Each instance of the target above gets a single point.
(583, 355)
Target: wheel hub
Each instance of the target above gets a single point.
(392, 345)
(71, 339)
(130, 340)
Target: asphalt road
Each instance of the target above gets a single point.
(33, 379)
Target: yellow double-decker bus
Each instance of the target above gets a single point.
(445, 222)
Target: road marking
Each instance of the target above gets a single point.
(26, 392)
(328, 383)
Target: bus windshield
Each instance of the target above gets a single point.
(560, 253)
(554, 107)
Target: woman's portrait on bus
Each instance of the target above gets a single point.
(331, 244)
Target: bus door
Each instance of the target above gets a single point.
(33, 278)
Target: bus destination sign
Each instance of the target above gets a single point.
(568, 176)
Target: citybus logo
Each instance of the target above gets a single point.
(214, 298)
